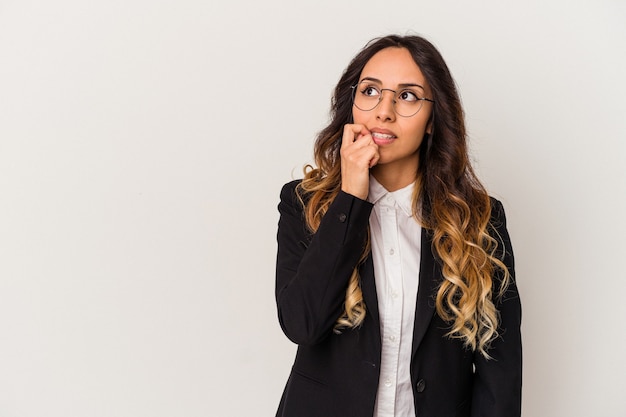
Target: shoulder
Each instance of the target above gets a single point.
(292, 199)
(498, 216)
(292, 194)
(498, 230)
(289, 189)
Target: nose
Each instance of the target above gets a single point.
(385, 109)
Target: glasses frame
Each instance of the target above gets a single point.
(354, 92)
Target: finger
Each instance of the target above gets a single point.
(375, 158)
(351, 133)
(361, 155)
(364, 133)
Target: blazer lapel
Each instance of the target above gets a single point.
(430, 272)
(430, 276)
(368, 287)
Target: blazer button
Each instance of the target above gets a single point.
(420, 386)
(342, 218)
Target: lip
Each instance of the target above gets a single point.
(382, 136)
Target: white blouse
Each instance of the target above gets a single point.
(396, 244)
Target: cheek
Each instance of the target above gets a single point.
(419, 127)
(359, 117)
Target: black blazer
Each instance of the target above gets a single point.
(336, 375)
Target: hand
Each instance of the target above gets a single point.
(358, 154)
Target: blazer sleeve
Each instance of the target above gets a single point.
(313, 270)
(497, 388)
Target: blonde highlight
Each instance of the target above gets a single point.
(469, 263)
(448, 201)
(321, 190)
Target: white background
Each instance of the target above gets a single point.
(143, 144)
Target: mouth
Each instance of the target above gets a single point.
(383, 138)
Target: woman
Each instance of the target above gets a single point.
(395, 268)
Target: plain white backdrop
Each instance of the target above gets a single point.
(143, 145)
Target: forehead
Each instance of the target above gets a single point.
(394, 66)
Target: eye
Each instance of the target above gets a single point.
(370, 91)
(407, 95)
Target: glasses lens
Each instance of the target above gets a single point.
(406, 102)
(366, 96)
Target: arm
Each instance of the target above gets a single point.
(498, 381)
(312, 271)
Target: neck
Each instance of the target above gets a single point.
(395, 176)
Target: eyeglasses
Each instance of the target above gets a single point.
(406, 102)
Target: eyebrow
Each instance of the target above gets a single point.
(403, 85)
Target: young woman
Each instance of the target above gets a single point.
(395, 269)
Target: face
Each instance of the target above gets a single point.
(398, 138)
